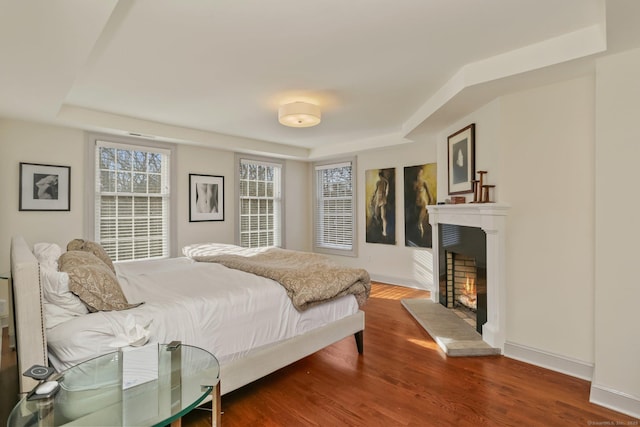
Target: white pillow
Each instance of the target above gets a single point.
(60, 304)
(47, 253)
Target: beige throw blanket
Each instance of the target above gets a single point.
(308, 278)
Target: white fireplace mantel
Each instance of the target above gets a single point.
(492, 219)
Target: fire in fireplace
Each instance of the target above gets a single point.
(469, 297)
(465, 292)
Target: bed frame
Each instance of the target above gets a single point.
(31, 341)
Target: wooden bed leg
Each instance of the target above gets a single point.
(216, 414)
(359, 341)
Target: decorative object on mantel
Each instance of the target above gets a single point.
(481, 190)
(485, 193)
(457, 200)
(461, 160)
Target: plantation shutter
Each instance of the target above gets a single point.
(260, 203)
(334, 212)
(132, 200)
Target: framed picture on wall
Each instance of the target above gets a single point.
(44, 187)
(420, 187)
(462, 160)
(206, 198)
(380, 211)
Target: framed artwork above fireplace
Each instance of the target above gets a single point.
(462, 160)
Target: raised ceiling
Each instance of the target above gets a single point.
(214, 72)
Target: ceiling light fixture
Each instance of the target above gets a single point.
(299, 114)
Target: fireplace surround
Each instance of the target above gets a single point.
(491, 218)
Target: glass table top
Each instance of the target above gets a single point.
(91, 393)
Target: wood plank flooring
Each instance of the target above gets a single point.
(8, 379)
(402, 379)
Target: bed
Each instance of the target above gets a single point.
(244, 352)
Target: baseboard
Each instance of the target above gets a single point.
(615, 400)
(407, 283)
(555, 362)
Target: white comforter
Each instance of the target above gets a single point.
(224, 311)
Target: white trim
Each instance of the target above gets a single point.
(322, 166)
(555, 362)
(131, 146)
(334, 164)
(401, 281)
(615, 400)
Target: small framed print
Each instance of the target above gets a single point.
(206, 198)
(44, 187)
(462, 164)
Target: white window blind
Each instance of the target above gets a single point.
(334, 208)
(132, 200)
(260, 196)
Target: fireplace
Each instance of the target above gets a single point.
(463, 271)
(473, 231)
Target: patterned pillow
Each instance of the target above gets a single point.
(93, 282)
(75, 245)
(93, 247)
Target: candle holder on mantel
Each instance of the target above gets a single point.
(476, 190)
(481, 190)
(485, 193)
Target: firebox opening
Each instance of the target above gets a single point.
(463, 283)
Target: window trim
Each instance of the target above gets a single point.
(354, 243)
(89, 182)
(274, 161)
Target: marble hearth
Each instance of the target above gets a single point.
(492, 219)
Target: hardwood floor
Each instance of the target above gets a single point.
(402, 379)
(8, 379)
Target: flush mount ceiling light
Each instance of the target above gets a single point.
(299, 114)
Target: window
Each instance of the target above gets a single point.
(132, 200)
(334, 208)
(260, 194)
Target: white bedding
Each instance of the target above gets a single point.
(224, 311)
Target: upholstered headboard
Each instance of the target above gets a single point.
(31, 343)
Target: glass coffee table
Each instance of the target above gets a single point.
(91, 393)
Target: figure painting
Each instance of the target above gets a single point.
(419, 191)
(381, 206)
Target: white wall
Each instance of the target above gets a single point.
(538, 148)
(206, 162)
(36, 143)
(399, 264)
(617, 327)
(548, 152)
(22, 141)
(396, 264)
(298, 206)
(487, 149)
